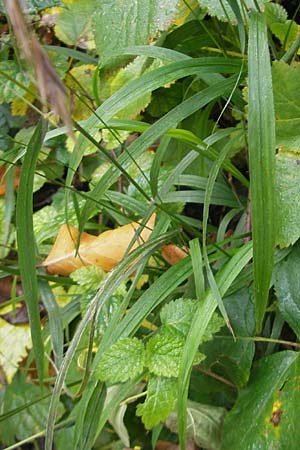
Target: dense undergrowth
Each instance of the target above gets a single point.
(149, 290)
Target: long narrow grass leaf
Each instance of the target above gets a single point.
(262, 161)
(26, 243)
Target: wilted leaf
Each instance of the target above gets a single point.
(173, 254)
(105, 250)
(266, 414)
(204, 424)
(15, 341)
(123, 361)
(287, 287)
(160, 401)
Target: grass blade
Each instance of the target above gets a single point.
(262, 161)
(26, 244)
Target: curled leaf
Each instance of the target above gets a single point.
(105, 250)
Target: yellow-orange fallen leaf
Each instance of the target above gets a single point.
(105, 250)
(3, 170)
(173, 254)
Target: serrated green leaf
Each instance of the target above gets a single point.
(265, 415)
(160, 401)
(178, 314)
(215, 324)
(286, 102)
(88, 277)
(123, 361)
(275, 13)
(163, 352)
(131, 22)
(287, 197)
(204, 424)
(223, 11)
(287, 288)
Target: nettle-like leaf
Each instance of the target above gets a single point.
(15, 341)
(289, 29)
(123, 361)
(9, 90)
(275, 13)
(287, 288)
(163, 352)
(204, 424)
(131, 22)
(287, 105)
(223, 11)
(178, 314)
(160, 401)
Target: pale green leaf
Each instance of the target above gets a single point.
(15, 341)
(163, 352)
(88, 277)
(223, 11)
(287, 105)
(275, 13)
(286, 32)
(178, 314)
(131, 22)
(204, 424)
(9, 90)
(160, 401)
(123, 361)
(287, 198)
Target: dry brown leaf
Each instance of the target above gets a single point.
(105, 250)
(173, 254)
(3, 170)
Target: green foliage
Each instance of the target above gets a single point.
(123, 361)
(160, 401)
(223, 10)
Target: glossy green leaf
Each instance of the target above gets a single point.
(160, 401)
(287, 288)
(261, 138)
(286, 102)
(123, 361)
(26, 242)
(266, 412)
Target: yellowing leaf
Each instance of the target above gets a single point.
(14, 343)
(105, 250)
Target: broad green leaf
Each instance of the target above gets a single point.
(261, 138)
(204, 424)
(123, 361)
(26, 242)
(160, 401)
(287, 195)
(15, 341)
(163, 352)
(275, 13)
(265, 415)
(178, 314)
(224, 12)
(27, 421)
(287, 288)
(241, 311)
(133, 22)
(286, 102)
(286, 32)
(74, 24)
